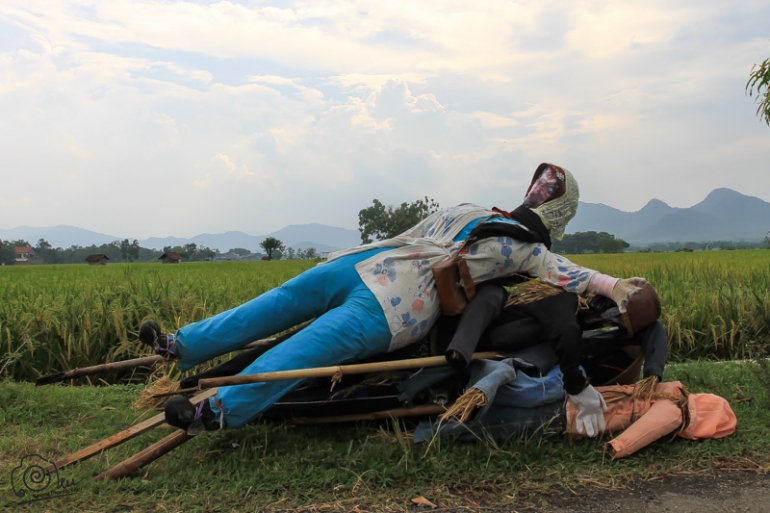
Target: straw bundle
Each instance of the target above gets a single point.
(463, 408)
(163, 385)
(530, 291)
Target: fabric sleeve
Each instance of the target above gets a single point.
(480, 312)
(662, 418)
(556, 315)
(500, 257)
(654, 342)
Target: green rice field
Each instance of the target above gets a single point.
(716, 304)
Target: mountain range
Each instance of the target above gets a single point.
(724, 215)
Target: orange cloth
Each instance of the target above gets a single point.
(645, 421)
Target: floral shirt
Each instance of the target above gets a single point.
(402, 282)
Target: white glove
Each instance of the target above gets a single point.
(591, 407)
(624, 289)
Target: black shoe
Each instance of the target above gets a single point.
(181, 413)
(151, 335)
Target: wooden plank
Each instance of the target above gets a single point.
(146, 456)
(126, 434)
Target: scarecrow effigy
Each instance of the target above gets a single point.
(380, 297)
(560, 329)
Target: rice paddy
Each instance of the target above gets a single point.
(716, 304)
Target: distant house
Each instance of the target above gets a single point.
(25, 255)
(98, 259)
(169, 257)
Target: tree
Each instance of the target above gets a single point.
(291, 254)
(272, 246)
(311, 254)
(589, 242)
(759, 85)
(125, 251)
(206, 253)
(46, 251)
(383, 222)
(191, 250)
(7, 254)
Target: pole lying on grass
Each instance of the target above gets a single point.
(123, 436)
(87, 371)
(334, 371)
(395, 413)
(146, 456)
(148, 360)
(179, 437)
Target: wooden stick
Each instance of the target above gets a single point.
(148, 360)
(337, 370)
(412, 411)
(175, 392)
(146, 456)
(85, 371)
(126, 434)
(172, 441)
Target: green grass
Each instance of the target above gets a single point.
(716, 305)
(340, 468)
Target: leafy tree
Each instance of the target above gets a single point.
(589, 242)
(129, 251)
(272, 247)
(382, 222)
(7, 254)
(44, 250)
(191, 250)
(206, 253)
(759, 85)
(311, 253)
(291, 254)
(767, 239)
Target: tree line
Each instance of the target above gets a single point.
(130, 251)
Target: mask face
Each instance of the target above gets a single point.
(548, 183)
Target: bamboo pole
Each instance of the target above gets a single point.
(126, 434)
(148, 360)
(334, 371)
(412, 411)
(146, 456)
(85, 371)
(177, 438)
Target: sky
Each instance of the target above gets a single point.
(155, 118)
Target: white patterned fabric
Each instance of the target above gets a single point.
(403, 284)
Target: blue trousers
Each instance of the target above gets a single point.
(349, 325)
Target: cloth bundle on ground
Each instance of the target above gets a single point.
(640, 418)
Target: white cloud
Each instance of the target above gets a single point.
(254, 117)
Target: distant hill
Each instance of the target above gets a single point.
(60, 236)
(298, 236)
(323, 238)
(724, 215)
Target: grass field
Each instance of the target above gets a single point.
(716, 304)
(354, 467)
